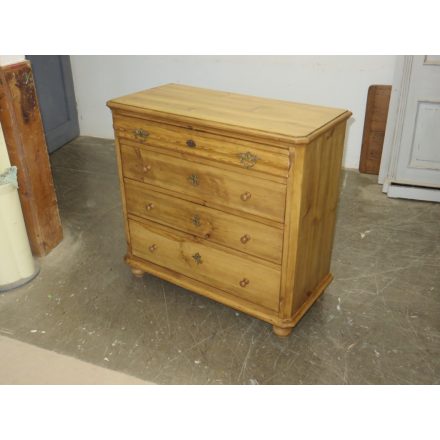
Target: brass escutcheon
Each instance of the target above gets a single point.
(248, 160)
(193, 179)
(139, 133)
(197, 258)
(195, 220)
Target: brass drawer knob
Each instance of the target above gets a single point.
(193, 179)
(152, 248)
(190, 143)
(197, 258)
(245, 196)
(195, 220)
(139, 133)
(146, 168)
(149, 206)
(244, 282)
(245, 238)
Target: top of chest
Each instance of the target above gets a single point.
(203, 108)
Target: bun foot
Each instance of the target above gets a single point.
(137, 272)
(282, 331)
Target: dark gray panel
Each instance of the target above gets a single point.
(54, 84)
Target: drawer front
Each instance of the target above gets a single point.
(242, 154)
(246, 279)
(213, 186)
(226, 229)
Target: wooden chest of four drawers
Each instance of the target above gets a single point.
(231, 196)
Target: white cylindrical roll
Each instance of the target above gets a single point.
(17, 265)
(16, 260)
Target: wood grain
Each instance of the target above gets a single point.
(275, 119)
(238, 233)
(193, 144)
(176, 251)
(24, 135)
(258, 238)
(313, 217)
(376, 115)
(214, 186)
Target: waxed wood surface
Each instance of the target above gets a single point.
(318, 175)
(239, 153)
(216, 187)
(24, 135)
(289, 215)
(176, 251)
(241, 234)
(281, 119)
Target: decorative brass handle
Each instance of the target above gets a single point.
(193, 179)
(197, 258)
(245, 196)
(244, 282)
(248, 160)
(139, 133)
(195, 220)
(146, 168)
(245, 238)
(191, 144)
(149, 206)
(152, 248)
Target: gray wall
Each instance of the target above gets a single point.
(339, 81)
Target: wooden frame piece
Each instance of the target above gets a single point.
(24, 135)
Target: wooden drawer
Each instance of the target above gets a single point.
(194, 143)
(212, 186)
(226, 229)
(257, 283)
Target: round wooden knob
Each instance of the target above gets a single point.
(244, 282)
(152, 248)
(150, 206)
(245, 196)
(245, 238)
(146, 168)
(190, 143)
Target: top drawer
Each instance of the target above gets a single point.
(242, 154)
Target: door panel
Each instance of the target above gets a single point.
(418, 161)
(56, 96)
(425, 152)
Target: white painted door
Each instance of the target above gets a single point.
(418, 159)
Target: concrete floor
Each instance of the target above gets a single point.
(378, 323)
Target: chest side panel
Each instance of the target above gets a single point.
(312, 199)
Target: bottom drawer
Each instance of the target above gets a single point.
(242, 277)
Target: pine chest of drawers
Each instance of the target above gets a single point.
(231, 196)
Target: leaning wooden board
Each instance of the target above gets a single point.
(376, 115)
(24, 135)
(230, 196)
